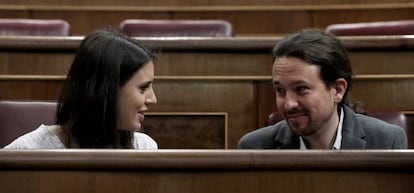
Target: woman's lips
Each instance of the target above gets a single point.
(141, 116)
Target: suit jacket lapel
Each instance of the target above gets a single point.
(352, 133)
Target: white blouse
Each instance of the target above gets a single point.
(43, 138)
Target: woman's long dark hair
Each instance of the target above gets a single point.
(87, 109)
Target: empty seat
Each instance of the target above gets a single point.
(20, 117)
(402, 27)
(34, 27)
(168, 28)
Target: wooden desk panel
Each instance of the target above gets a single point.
(167, 63)
(188, 130)
(178, 171)
(205, 63)
(226, 63)
(206, 182)
(373, 4)
(35, 63)
(382, 61)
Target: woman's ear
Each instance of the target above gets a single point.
(340, 88)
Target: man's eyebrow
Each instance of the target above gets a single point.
(294, 83)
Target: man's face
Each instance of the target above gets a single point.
(302, 97)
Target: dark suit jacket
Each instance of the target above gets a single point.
(358, 132)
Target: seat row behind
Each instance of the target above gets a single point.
(192, 28)
(132, 27)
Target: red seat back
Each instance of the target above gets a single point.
(168, 28)
(20, 117)
(34, 27)
(404, 27)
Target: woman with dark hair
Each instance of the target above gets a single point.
(103, 100)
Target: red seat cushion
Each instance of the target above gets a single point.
(163, 28)
(403, 27)
(34, 27)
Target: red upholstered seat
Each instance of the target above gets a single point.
(20, 117)
(402, 27)
(168, 28)
(34, 27)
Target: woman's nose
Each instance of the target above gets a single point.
(152, 98)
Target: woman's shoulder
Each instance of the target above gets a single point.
(143, 141)
(40, 138)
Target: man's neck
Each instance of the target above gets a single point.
(325, 137)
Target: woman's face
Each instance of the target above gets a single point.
(135, 97)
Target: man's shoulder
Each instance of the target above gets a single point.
(368, 123)
(371, 123)
(262, 137)
(380, 134)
